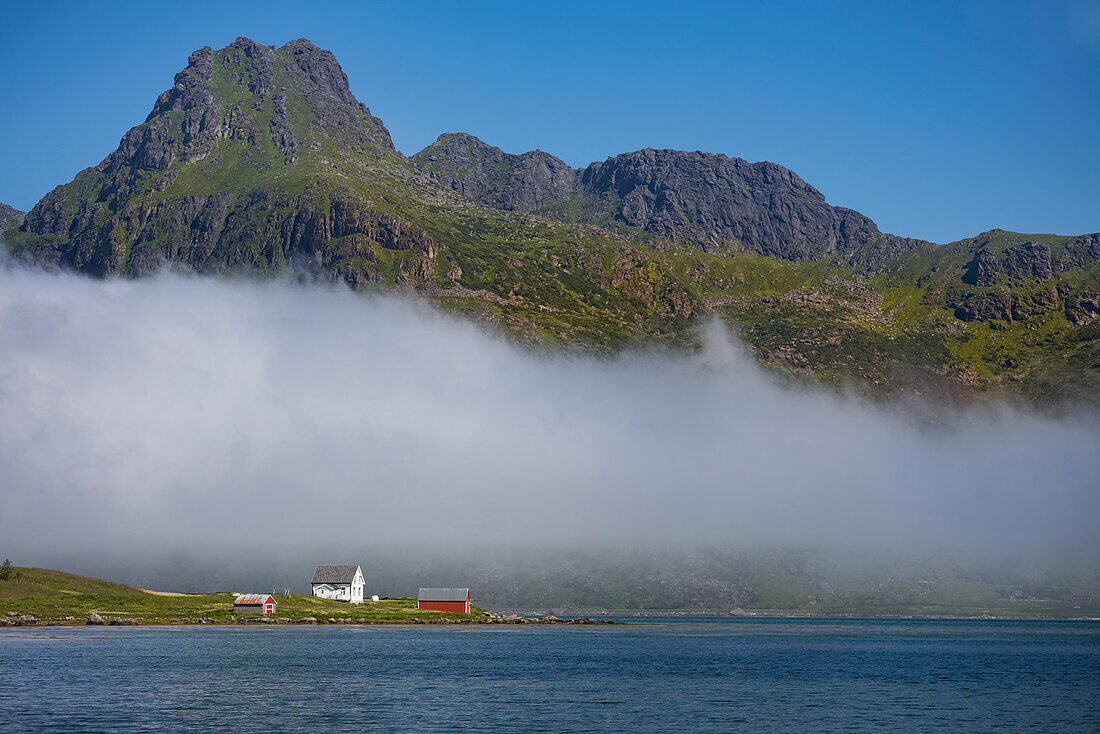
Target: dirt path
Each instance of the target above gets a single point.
(163, 593)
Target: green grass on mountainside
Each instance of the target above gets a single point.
(232, 203)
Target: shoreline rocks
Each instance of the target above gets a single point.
(95, 619)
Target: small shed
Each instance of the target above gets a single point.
(444, 600)
(254, 604)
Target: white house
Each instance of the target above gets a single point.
(343, 583)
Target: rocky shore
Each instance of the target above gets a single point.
(14, 619)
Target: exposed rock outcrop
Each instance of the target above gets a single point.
(1027, 261)
(1083, 307)
(1080, 252)
(985, 307)
(1030, 260)
(716, 202)
(486, 174)
(709, 201)
(1005, 305)
(10, 217)
(261, 230)
(983, 269)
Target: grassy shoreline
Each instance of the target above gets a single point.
(39, 596)
(43, 596)
(64, 597)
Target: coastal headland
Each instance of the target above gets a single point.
(39, 596)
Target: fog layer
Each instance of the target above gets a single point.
(225, 419)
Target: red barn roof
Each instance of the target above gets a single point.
(253, 599)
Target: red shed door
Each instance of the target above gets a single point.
(269, 608)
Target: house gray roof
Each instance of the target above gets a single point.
(443, 594)
(334, 574)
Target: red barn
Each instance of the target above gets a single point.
(444, 600)
(254, 604)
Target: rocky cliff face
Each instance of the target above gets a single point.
(10, 217)
(718, 202)
(302, 94)
(1028, 261)
(1016, 279)
(709, 201)
(489, 176)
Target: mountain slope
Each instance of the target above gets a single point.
(699, 199)
(260, 159)
(23, 583)
(229, 170)
(10, 217)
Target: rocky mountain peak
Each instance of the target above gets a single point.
(707, 200)
(465, 149)
(716, 201)
(10, 217)
(458, 150)
(301, 87)
(318, 71)
(486, 174)
(235, 121)
(192, 85)
(463, 139)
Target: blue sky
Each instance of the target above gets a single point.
(937, 119)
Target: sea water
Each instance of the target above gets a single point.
(755, 675)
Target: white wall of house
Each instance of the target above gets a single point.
(340, 592)
(352, 592)
(357, 585)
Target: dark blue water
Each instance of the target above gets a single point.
(725, 675)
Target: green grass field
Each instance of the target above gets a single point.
(53, 595)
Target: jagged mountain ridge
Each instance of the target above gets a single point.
(10, 217)
(528, 182)
(260, 159)
(696, 198)
(223, 172)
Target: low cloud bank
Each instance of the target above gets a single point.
(224, 419)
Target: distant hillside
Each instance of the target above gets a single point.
(259, 159)
(571, 584)
(788, 581)
(39, 582)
